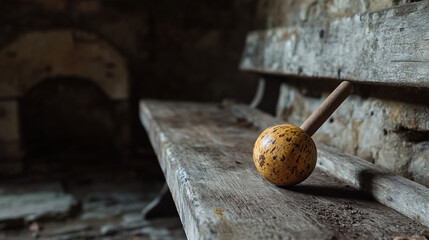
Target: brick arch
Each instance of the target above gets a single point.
(38, 55)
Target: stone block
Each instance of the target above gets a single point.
(28, 203)
(419, 167)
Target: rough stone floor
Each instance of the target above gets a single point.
(103, 204)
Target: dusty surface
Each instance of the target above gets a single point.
(21, 204)
(385, 187)
(207, 160)
(96, 204)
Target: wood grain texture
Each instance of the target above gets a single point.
(389, 46)
(205, 153)
(399, 193)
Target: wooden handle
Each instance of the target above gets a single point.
(324, 111)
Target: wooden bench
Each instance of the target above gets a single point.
(205, 152)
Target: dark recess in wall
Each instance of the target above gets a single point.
(66, 115)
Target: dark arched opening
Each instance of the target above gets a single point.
(67, 117)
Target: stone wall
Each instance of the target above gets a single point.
(173, 48)
(131, 49)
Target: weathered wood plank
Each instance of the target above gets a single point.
(399, 193)
(389, 46)
(205, 153)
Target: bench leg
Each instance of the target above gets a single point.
(161, 206)
(266, 95)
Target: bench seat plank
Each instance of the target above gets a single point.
(385, 187)
(205, 153)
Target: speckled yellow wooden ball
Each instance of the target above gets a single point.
(285, 155)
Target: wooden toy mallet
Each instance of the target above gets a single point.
(285, 154)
